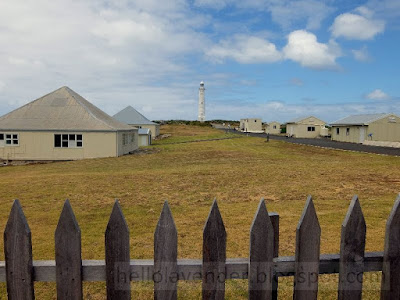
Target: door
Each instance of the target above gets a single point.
(362, 134)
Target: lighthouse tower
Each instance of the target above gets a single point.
(202, 104)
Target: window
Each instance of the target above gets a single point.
(311, 128)
(1, 139)
(68, 141)
(132, 138)
(347, 131)
(255, 120)
(274, 126)
(12, 139)
(337, 131)
(124, 139)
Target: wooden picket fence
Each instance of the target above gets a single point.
(69, 270)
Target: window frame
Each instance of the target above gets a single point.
(71, 140)
(337, 130)
(311, 128)
(13, 139)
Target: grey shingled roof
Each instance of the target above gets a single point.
(131, 116)
(360, 119)
(62, 110)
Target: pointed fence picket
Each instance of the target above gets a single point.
(68, 270)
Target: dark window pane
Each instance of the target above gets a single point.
(15, 142)
(79, 137)
(8, 136)
(15, 136)
(65, 144)
(57, 140)
(72, 137)
(79, 144)
(8, 142)
(65, 137)
(1, 137)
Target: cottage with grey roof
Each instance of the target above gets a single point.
(132, 117)
(63, 125)
(374, 129)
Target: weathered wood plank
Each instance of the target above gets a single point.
(352, 249)
(191, 269)
(18, 255)
(308, 235)
(165, 256)
(214, 256)
(117, 256)
(68, 255)
(261, 255)
(390, 287)
(274, 217)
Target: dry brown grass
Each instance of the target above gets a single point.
(238, 172)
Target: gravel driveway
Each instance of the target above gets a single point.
(328, 143)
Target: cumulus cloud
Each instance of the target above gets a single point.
(244, 49)
(115, 53)
(377, 94)
(361, 54)
(303, 47)
(357, 26)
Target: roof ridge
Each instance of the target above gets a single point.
(85, 106)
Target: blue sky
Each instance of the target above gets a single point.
(273, 59)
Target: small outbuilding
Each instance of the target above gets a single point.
(375, 129)
(306, 127)
(251, 125)
(144, 137)
(63, 125)
(273, 127)
(133, 118)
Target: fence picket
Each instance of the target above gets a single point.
(68, 255)
(308, 235)
(214, 256)
(18, 255)
(274, 217)
(352, 250)
(165, 256)
(261, 255)
(117, 256)
(390, 287)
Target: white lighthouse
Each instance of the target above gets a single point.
(202, 104)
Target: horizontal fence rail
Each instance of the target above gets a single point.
(262, 268)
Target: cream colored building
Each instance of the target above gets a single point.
(273, 127)
(144, 137)
(378, 129)
(132, 117)
(251, 125)
(309, 127)
(63, 125)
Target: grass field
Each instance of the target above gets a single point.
(237, 172)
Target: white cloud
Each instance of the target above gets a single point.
(244, 49)
(357, 26)
(361, 54)
(289, 13)
(377, 94)
(124, 47)
(303, 47)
